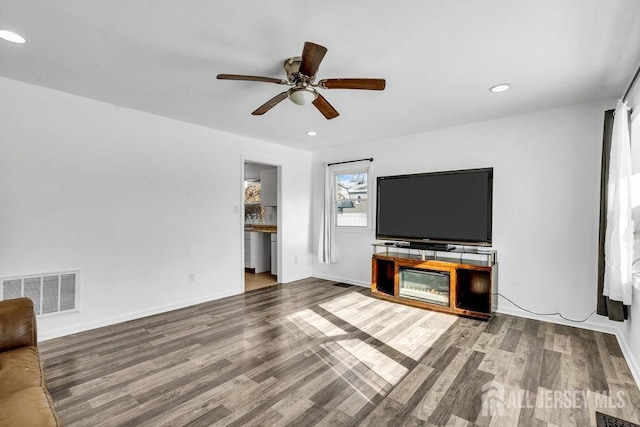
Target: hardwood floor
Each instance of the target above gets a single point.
(319, 353)
(253, 281)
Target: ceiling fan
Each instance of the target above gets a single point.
(301, 74)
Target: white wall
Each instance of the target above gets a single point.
(546, 198)
(135, 201)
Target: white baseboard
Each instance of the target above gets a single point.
(289, 279)
(57, 333)
(343, 280)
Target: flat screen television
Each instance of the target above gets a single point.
(452, 207)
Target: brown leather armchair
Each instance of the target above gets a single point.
(24, 399)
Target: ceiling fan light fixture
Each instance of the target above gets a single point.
(302, 95)
(301, 72)
(502, 87)
(12, 37)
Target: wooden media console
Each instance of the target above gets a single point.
(461, 282)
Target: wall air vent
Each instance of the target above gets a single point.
(50, 293)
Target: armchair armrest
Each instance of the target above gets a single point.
(17, 324)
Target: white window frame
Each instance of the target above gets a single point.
(354, 169)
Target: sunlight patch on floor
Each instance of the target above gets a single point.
(380, 320)
(371, 365)
(387, 368)
(320, 325)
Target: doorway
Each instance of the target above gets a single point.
(261, 187)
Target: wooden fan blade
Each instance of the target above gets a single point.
(312, 55)
(366, 84)
(270, 104)
(325, 108)
(250, 78)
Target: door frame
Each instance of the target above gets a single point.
(279, 222)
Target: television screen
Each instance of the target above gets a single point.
(440, 207)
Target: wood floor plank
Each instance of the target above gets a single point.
(495, 324)
(113, 379)
(469, 336)
(207, 418)
(511, 339)
(581, 380)
(606, 358)
(527, 416)
(612, 345)
(496, 361)
(470, 391)
(550, 370)
(499, 335)
(310, 417)
(562, 343)
(531, 327)
(265, 405)
(410, 384)
(634, 399)
(207, 405)
(335, 418)
(459, 389)
(313, 353)
(385, 414)
(531, 374)
(597, 375)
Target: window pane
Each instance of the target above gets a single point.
(252, 192)
(351, 199)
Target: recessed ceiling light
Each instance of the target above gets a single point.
(502, 87)
(12, 37)
(311, 133)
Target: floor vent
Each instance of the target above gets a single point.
(50, 293)
(342, 285)
(604, 420)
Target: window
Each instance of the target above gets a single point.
(352, 208)
(253, 209)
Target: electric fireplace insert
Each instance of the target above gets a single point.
(424, 285)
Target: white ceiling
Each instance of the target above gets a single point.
(439, 58)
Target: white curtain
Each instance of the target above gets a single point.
(326, 244)
(619, 232)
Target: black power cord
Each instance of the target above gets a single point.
(547, 314)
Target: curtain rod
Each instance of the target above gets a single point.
(633, 82)
(350, 161)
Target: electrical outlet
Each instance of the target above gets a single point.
(192, 277)
(295, 260)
